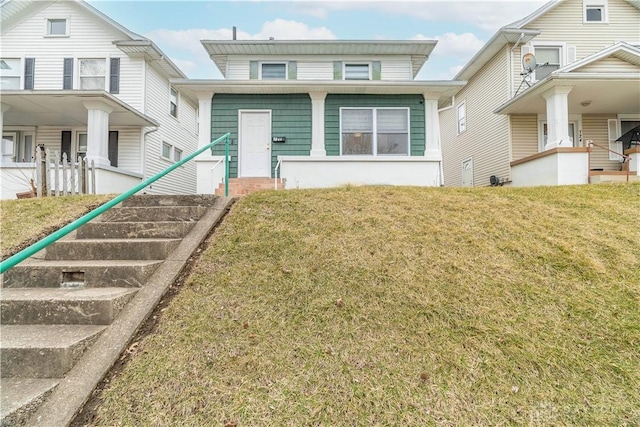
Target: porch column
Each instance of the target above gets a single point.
(3, 108)
(432, 128)
(317, 123)
(557, 117)
(98, 132)
(204, 120)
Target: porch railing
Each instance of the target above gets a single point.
(625, 158)
(41, 244)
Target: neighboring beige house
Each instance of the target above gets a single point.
(536, 128)
(73, 80)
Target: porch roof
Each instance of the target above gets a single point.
(206, 88)
(65, 108)
(601, 92)
(591, 93)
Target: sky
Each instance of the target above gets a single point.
(460, 27)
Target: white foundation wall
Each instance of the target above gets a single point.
(210, 173)
(553, 169)
(325, 172)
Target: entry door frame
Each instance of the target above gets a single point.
(240, 137)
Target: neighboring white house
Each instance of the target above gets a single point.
(321, 113)
(75, 81)
(534, 128)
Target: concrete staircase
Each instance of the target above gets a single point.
(244, 186)
(602, 177)
(68, 312)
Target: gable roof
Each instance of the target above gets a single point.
(220, 50)
(505, 36)
(614, 85)
(15, 11)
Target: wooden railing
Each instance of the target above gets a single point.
(625, 158)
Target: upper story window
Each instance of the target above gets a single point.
(595, 11)
(173, 103)
(273, 71)
(549, 58)
(56, 27)
(93, 73)
(374, 131)
(462, 117)
(10, 73)
(357, 72)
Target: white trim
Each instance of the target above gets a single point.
(587, 4)
(47, 26)
(369, 65)
(248, 110)
(463, 103)
(374, 147)
(465, 161)
(286, 69)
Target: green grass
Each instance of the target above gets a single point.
(25, 221)
(401, 306)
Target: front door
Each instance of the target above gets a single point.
(255, 144)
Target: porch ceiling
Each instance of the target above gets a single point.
(65, 108)
(604, 95)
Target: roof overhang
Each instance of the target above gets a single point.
(503, 37)
(591, 93)
(206, 88)
(150, 52)
(65, 108)
(220, 50)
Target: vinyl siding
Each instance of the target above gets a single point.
(524, 136)
(290, 116)
(309, 68)
(179, 132)
(315, 70)
(128, 143)
(88, 38)
(334, 102)
(486, 139)
(609, 65)
(595, 128)
(564, 23)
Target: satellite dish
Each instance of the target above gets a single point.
(529, 62)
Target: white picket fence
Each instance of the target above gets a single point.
(56, 176)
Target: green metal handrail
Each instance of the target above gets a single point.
(41, 244)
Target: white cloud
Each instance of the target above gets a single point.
(486, 15)
(462, 45)
(186, 43)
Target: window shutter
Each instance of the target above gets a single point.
(114, 73)
(376, 71)
(571, 55)
(253, 70)
(293, 70)
(613, 135)
(29, 69)
(113, 148)
(337, 70)
(67, 79)
(65, 143)
(525, 48)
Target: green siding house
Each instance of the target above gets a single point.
(311, 114)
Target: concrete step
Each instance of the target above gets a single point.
(41, 273)
(243, 186)
(43, 351)
(50, 306)
(173, 200)
(153, 214)
(111, 249)
(131, 230)
(21, 397)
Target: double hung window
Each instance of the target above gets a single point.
(93, 74)
(375, 131)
